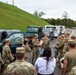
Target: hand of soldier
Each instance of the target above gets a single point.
(2, 63)
(12, 58)
(38, 45)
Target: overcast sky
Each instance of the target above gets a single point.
(51, 8)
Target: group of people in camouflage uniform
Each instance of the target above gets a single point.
(25, 57)
(66, 50)
(61, 46)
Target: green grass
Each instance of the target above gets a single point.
(11, 17)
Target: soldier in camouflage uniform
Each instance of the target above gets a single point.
(35, 43)
(20, 67)
(59, 46)
(46, 41)
(69, 58)
(6, 53)
(67, 35)
(28, 50)
(65, 48)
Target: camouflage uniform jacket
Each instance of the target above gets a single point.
(35, 45)
(27, 48)
(20, 67)
(46, 42)
(60, 45)
(65, 48)
(73, 71)
(6, 54)
(28, 51)
(35, 42)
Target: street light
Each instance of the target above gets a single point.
(12, 2)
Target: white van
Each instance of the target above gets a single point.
(56, 29)
(62, 29)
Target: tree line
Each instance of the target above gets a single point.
(65, 20)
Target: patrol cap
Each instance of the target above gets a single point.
(71, 41)
(62, 36)
(66, 33)
(45, 33)
(20, 50)
(36, 35)
(7, 40)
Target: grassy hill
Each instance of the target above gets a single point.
(11, 17)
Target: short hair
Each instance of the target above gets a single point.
(25, 41)
(73, 37)
(20, 55)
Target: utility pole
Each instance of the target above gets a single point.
(12, 2)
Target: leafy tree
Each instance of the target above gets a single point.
(53, 21)
(39, 14)
(36, 14)
(65, 15)
(66, 21)
(58, 21)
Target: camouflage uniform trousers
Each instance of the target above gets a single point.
(35, 54)
(3, 67)
(30, 57)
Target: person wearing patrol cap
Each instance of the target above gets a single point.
(20, 53)
(65, 48)
(6, 55)
(46, 41)
(35, 43)
(28, 51)
(59, 46)
(69, 58)
(20, 66)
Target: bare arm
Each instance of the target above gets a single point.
(64, 67)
